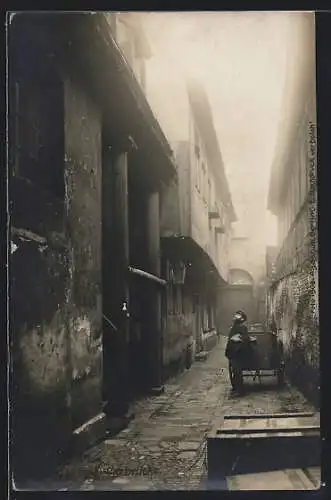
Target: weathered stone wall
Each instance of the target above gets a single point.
(40, 398)
(56, 292)
(189, 330)
(83, 205)
(178, 333)
(39, 272)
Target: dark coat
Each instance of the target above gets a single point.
(240, 328)
(233, 349)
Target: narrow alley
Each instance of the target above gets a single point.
(162, 199)
(164, 447)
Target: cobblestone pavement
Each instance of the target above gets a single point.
(164, 446)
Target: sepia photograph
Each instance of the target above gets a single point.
(163, 251)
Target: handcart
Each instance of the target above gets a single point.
(262, 357)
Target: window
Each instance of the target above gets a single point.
(37, 132)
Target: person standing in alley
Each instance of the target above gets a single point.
(238, 327)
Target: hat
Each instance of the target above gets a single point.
(240, 315)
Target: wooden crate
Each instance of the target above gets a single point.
(248, 444)
(286, 479)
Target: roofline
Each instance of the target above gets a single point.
(62, 27)
(132, 82)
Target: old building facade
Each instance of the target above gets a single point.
(293, 294)
(88, 160)
(196, 230)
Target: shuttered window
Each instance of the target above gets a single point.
(36, 135)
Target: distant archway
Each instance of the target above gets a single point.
(240, 277)
(238, 294)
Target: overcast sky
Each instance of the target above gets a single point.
(240, 59)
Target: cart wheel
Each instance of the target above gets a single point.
(281, 377)
(236, 377)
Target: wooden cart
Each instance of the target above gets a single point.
(264, 358)
(276, 451)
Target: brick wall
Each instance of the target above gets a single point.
(293, 302)
(294, 306)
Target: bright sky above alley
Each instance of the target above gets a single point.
(240, 57)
